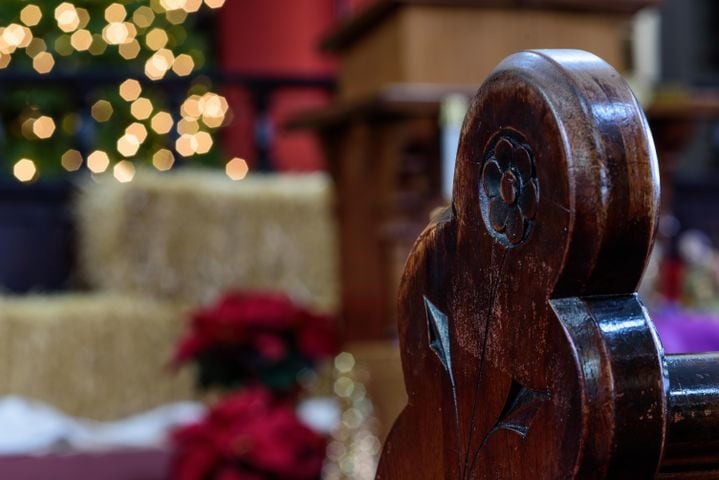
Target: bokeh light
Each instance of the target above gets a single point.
(71, 160)
(67, 17)
(43, 62)
(124, 171)
(31, 15)
(183, 65)
(43, 127)
(37, 45)
(141, 108)
(163, 160)
(137, 130)
(204, 143)
(130, 50)
(98, 161)
(24, 170)
(130, 90)
(81, 40)
(237, 168)
(101, 110)
(156, 39)
(162, 123)
(186, 145)
(143, 17)
(214, 3)
(116, 33)
(98, 46)
(115, 13)
(128, 145)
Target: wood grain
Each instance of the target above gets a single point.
(525, 351)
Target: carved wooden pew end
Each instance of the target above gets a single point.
(526, 352)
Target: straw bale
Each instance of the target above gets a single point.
(101, 356)
(190, 235)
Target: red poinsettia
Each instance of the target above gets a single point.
(248, 436)
(248, 337)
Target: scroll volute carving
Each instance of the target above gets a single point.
(526, 353)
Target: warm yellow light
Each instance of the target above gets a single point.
(163, 160)
(137, 130)
(192, 6)
(188, 125)
(101, 110)
(214, 108)
(237, 168)
(36, 46)
(204, 142)
(24, 170)
(98, 46)
(186, 145)
(183, 65)
(152, 72)
(115, 13)
(71, 160)
(31, 15)
(172, 4)
(128, 145)
(81, 40)
(162, 123)
(176, 17)
(43, 62)
(130, 50)
(16, 35)
(156, 39)
(4, 60)
(63, 45)
(67, 18)
(124, 171)
(84, 16)
(191, 107)
(213, 105)
(213, 122)
(116, 33)
(130, 89)
(214, 3)
(5, 47)
(43, 127)
(163, 59)
(98, 161)
(141, 108)
(143, 17)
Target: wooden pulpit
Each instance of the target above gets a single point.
(526, 352)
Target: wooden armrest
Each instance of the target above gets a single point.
(526, 351)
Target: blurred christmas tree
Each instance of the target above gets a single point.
(105, 85)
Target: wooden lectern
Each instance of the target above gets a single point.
(526, 353)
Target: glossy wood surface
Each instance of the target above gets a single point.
(526, 352)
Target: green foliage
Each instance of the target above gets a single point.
(80, 77)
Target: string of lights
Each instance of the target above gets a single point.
(108, 126)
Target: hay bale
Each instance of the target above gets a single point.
(190, 235)
(101, 356)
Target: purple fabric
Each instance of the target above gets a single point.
(683, 331)
(117, 465)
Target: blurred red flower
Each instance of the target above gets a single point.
(248, 436)
(251, 336)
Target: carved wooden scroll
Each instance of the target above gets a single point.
(526, 352)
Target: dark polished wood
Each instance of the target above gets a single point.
(525, 351)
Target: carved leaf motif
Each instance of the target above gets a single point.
(438, 328)
(520, 408)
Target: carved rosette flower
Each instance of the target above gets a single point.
(510, 191)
